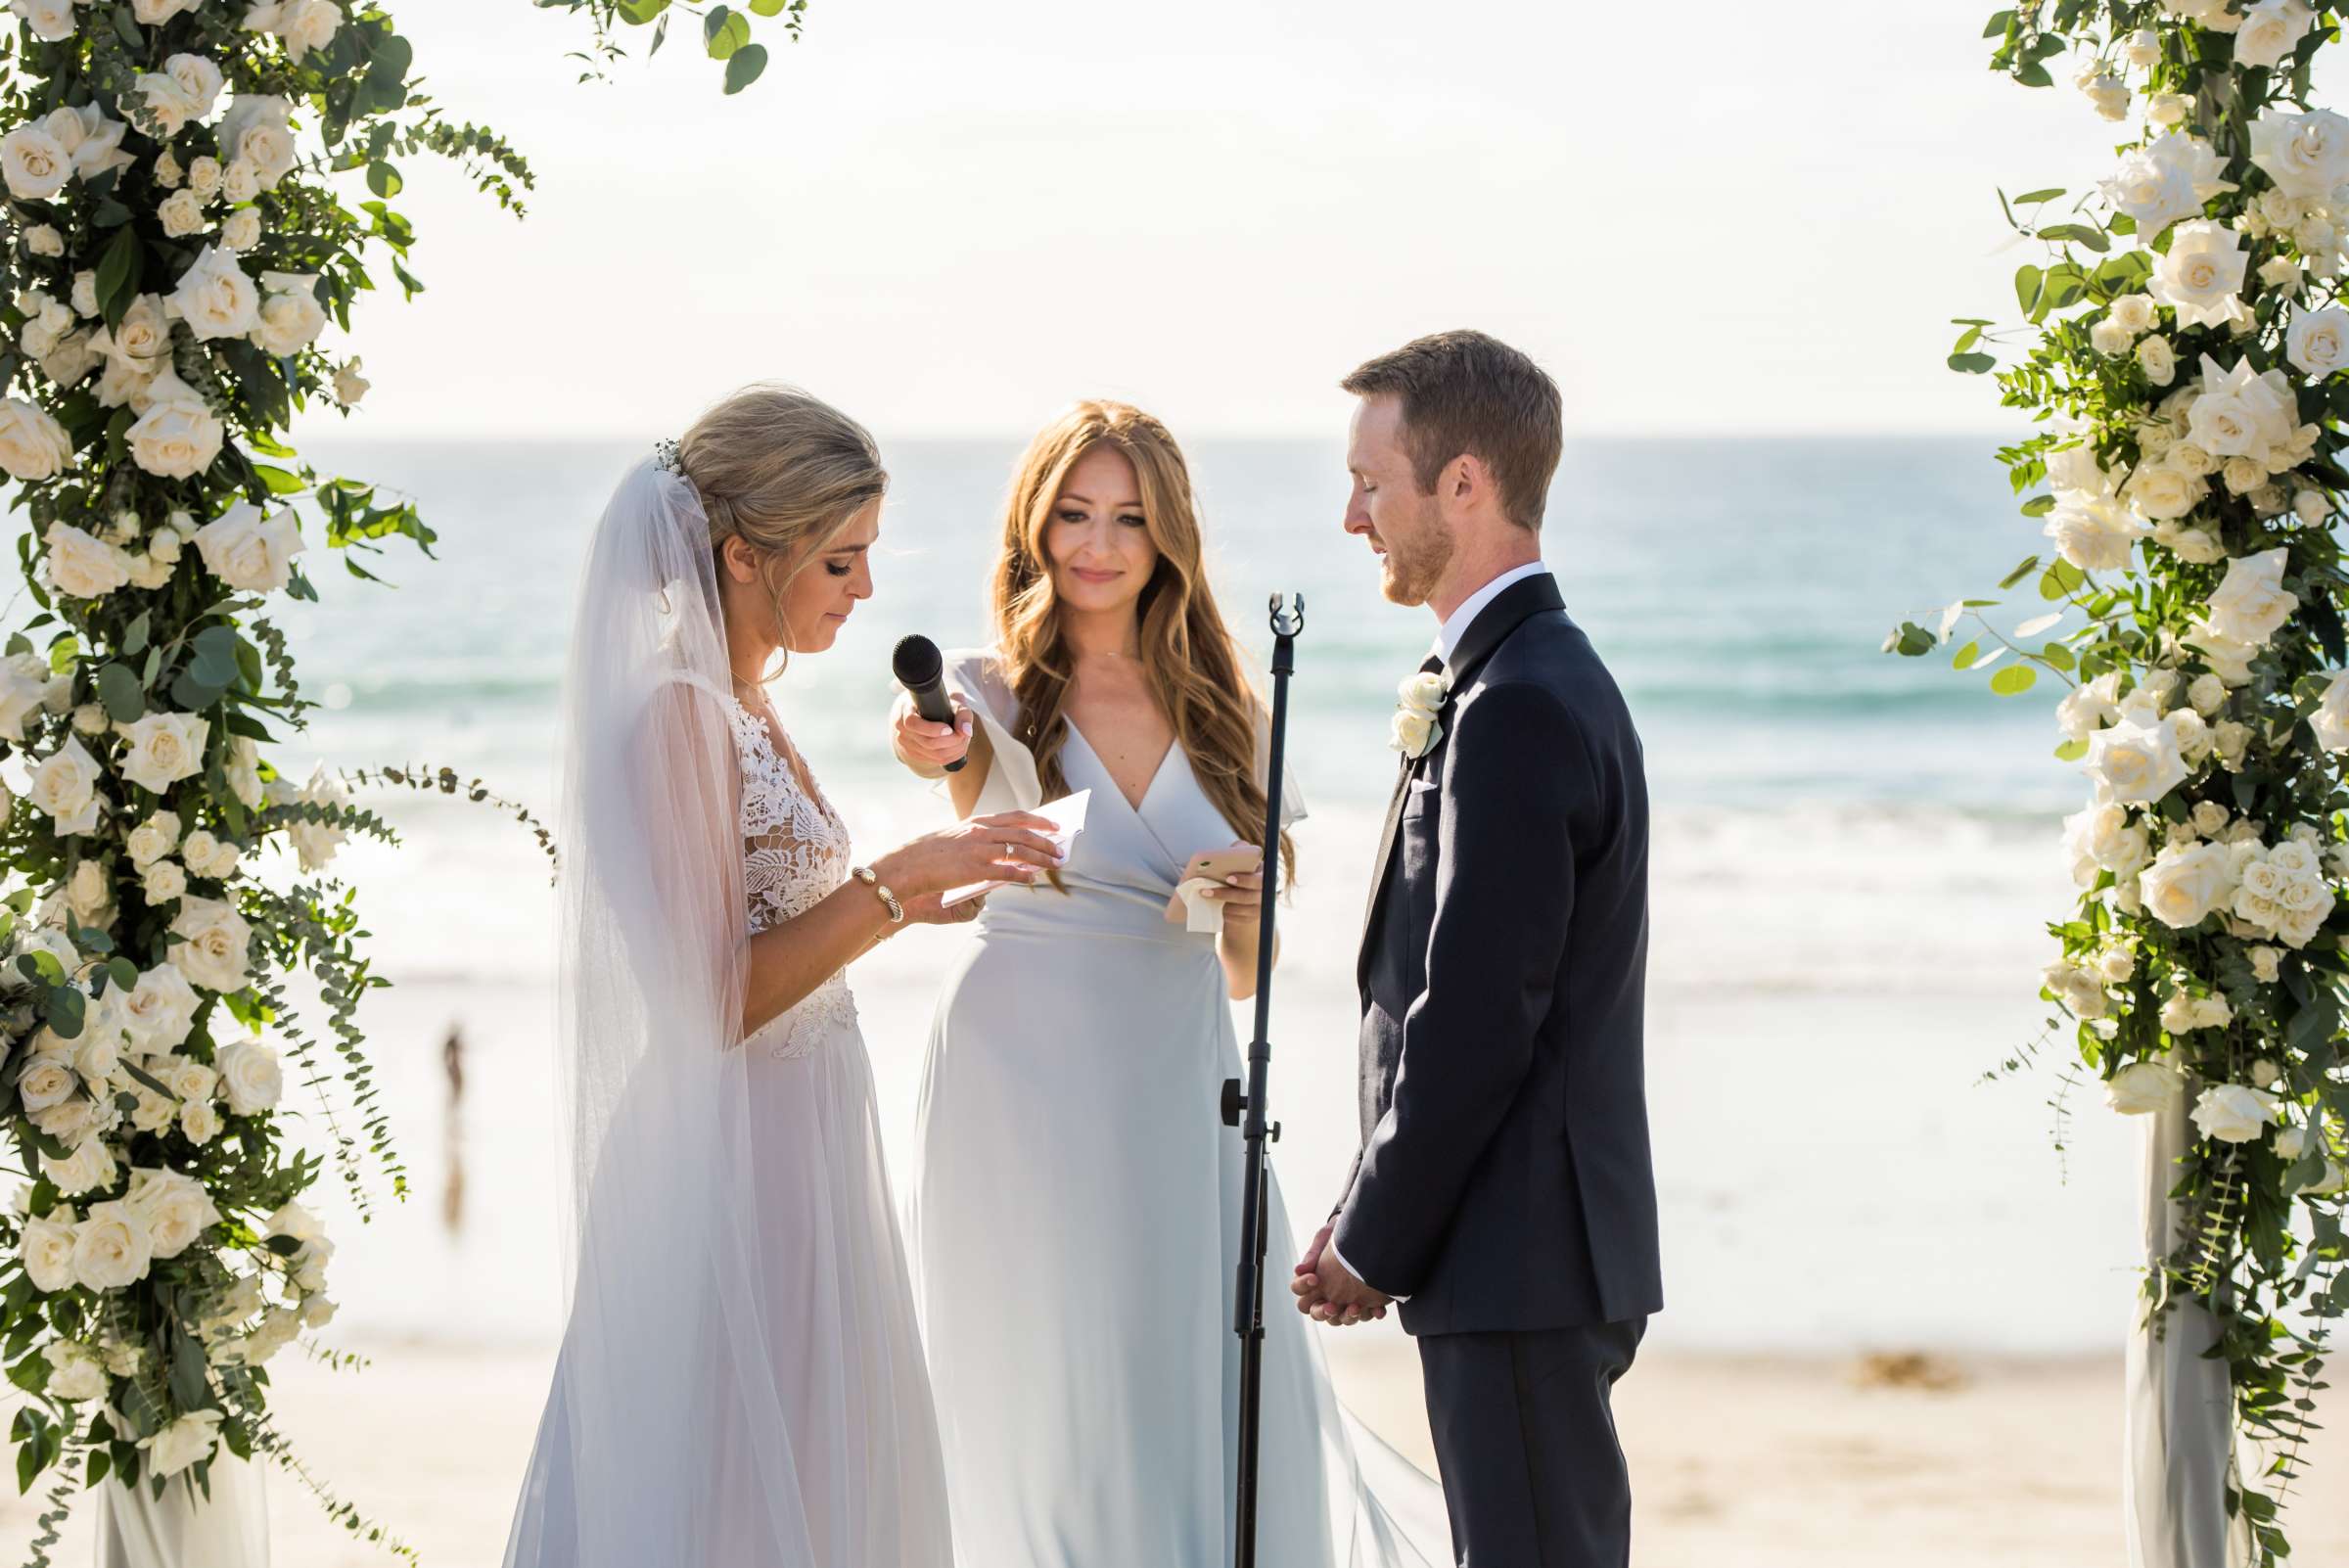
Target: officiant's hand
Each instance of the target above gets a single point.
(925, 746)
(1328, 1293)
(1007, 847)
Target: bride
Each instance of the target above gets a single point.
(740, 1383)
(1076, 1217)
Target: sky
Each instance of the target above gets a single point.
(952, 219)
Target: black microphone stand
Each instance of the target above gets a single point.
(1256, 1132)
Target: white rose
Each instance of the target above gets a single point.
(243, 230)
(47, 1080)
(165, 748)
(32, 445)
(215, 946)
(2331, 720)
(160, 1010)
(81, 565)
(2093, 532)
(2078, 990)
(215, 298)
(188, 1441)
(2209, 817)
(51, 20)
(2142, 1088)
(45, 241)
(317, 1312)
(2212, 1012)
(249, 550)
(175, 1209)
(2167, 180)
(199, 1121)
(25, 688)
(2183, 886)
(155, 13)
(245, 771)
(351, 385)
(110, 1248)
(2115, 965)
(34, 165)
(153, 838)
(205, 176)
(2187, 458)
(250, 1078)
(2103, 838)
(2265, 1074)
(316, 842)
(2306, 155)
(294, 1221)
(2134, 762)
(2281, 272)
(164, 881)
(47, 1248)
(2250, 603)
(257, 132)
(308, 24)
(2228, 658)
(167, 172)
(242, 182)
(2264, 964)
(65, 786)
(2168, 111)
(202, 81)
(293, 318)
(2109, 93)
(2312, 508)
(2319, 341)
(176, 437)
(2241, 412)
(2141, 48)
(2270, 29)
(2158, 360)
(2290, 1143)
(2243, 475)
(2233, 1113)
(2160, 494)
(77, 1374)
(2207, 694)
(2135, 312)
(100, 146)
(2202, 275)
(182, 214)
(90, 1168)
(2111, 338)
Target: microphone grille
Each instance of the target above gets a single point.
(916, 661)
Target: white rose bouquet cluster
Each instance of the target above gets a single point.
(2185, 351)
(176, 243)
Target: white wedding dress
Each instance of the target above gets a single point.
(741, 1382)
(1075, 1224)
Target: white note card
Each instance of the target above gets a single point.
(1067, 816)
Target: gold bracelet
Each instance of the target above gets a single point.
(872, 879)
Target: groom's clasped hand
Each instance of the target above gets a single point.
(1328, 1293)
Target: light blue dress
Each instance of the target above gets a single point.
(1076, 1222)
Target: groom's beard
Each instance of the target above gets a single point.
(1414, 568)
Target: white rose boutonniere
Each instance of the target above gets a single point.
(1419, 718)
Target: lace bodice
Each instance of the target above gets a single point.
(795, 854)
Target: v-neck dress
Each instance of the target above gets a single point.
(1076, 1219)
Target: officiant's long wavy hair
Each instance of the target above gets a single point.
(1191, 659)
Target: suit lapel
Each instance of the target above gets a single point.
(1519, 603)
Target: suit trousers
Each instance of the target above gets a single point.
(1525, 1439)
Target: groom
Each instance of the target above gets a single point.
(1505, 1193)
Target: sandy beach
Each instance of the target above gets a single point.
(1737, 1462)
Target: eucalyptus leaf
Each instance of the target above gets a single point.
(2013, 680)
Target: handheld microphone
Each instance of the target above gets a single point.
(921, 670)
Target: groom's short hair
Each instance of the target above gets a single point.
(1465, 393)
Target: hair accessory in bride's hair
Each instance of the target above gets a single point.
(664, 456)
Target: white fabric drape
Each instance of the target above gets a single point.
(183, 1529)
(2179, 1425)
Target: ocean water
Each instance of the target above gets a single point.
(1853, 863)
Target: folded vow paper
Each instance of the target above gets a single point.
(1067, 816)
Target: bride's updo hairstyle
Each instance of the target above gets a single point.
(784, 471)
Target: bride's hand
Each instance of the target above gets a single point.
(927, 747)
(1009, 846)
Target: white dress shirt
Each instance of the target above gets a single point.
(1448, 642)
